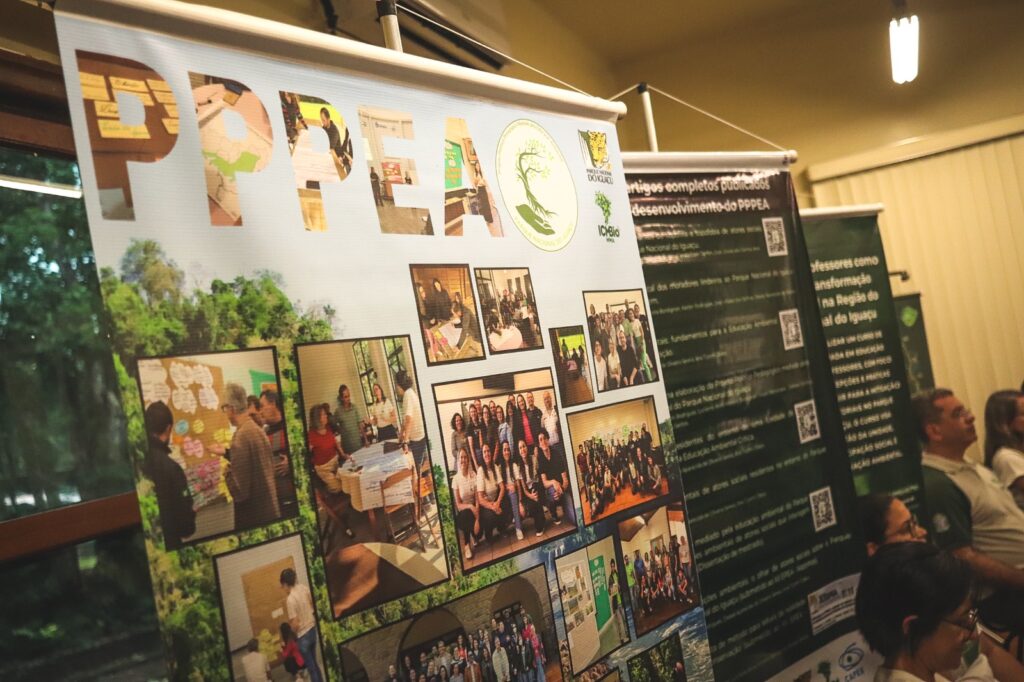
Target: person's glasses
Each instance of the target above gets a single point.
(970, 623)
(907, 528)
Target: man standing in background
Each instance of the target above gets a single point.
(273, 425)
(250, 478)
(299, 603)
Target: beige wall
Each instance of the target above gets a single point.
(819, 82)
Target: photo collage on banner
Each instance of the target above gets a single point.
(368, 447)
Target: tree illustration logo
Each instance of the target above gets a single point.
(536, 185)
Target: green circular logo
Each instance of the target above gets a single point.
(536, 185)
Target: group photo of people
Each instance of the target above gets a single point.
(663, 662)
(659, 571)
(394, 180)
(509, 310)
(305, 118)
(373, 486)
(446, 308)
(501, 633)
(618, 457)
(217, 447)
(620, 337)
(506, 463)
(572, 368)
(270, 620)
(593, 606)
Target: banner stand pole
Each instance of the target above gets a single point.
(645, 101)
(388, 15)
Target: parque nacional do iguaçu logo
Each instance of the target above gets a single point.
(536, 185)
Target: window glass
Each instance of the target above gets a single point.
(62, 430)
(81, 613)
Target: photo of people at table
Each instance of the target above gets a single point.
(504, 632)
(572, 367)
(217, 449)
(659, 572)
(509, 310)
(446, 308)
(618, 457)
(589, 584)
(309, 122)
(506, 464)
(620, 338)
(370, 467)
(270, 620)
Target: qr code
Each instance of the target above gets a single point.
(792, 334)
(822, 512)
(775, 236)
(807, 421)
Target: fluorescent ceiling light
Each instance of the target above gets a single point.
(27, 185)
(903, 43)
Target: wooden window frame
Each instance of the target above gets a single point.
(28, 85)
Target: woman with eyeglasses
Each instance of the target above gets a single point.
(885, 519)
(915, 607)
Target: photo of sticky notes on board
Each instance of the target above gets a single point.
(94, 80)
(114, 129)
(95, 92)
(108, 109)
(172, 110)
(171, 125)
(164, 97)
(157, 84)
(128, 84)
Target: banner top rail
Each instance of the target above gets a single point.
(659, 162)
(241, 32)
(852, 211)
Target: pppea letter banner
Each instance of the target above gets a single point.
(760, 441)
(350, 293)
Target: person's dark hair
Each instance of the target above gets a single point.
(458, 415)
(158, 418)
(287, 634)
(456, 308)
(403, 380)
(341, 389)
(908, 579)
(325, 112)
(543, 432)
(1000, 410)
(314, 415)
(874, 515)
(288, 577)
(253, 401)
(272, 396)
(925, 411)
(253, 645)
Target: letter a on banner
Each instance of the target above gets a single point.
(465, 187)
(316, 159)
(132, 116)
(235, 133)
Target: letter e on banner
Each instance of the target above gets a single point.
(235, 134)
(145, 130)
(466, 192)
(308, 122)
(390, 172)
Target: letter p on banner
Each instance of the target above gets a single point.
(117, 137)
(234, 131)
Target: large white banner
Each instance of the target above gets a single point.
(385, 351)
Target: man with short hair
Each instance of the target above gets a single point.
(973, 515)
(250, 479)
(348, 422)
(177, 517)
(273, 425)
(549, 420)
(534, 415)
(299, 605)
(554, 477)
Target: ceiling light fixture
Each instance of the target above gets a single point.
(903, 43)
